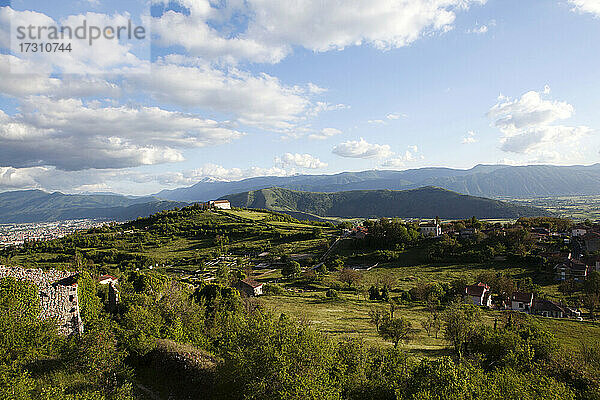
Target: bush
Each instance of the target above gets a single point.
(332, 294)
(273, 289)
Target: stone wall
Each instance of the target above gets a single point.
(58, 295)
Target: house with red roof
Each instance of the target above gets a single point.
(478, 295)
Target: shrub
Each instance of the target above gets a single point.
(273, 289)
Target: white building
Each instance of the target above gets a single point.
(522, 302)
(221, 204)
(431, 229)
(478, 295)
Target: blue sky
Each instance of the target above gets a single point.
(250, 88)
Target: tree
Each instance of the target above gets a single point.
(396, 330)
(222, 273)
(291, 269)
(461, 321)
(377, 316)
(349, 276)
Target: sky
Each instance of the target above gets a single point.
(231, 89)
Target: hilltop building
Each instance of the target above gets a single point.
(220, 204)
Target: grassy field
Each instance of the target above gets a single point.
(348, 316)
(574, 207)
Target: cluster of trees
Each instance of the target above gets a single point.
(247, 352)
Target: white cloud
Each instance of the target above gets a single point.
(273, 27)
(482, 29)
(362, 149)
(527, 127)
(70, 135)
(528, 111)
(20, 78)
(393, 116)
(219, 172)
(300, 160)
(399, 161)
(322, 106)
(104, 56)
(469, 138)
(586, 6)
(325, 133)
(255, 100)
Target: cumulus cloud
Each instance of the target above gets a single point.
(104, 56)
(400, 160)
(22, 78)
(70, 135)
(300, 160)
(586, 6)
(256, 100)
(132, 181)
(273, 27)
(362, 149)
(527, 125)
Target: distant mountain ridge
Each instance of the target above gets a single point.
(426, 202)
(481, 180)
(39, 206)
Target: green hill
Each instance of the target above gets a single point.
(38, 206)
(422, 202)
(482, 180)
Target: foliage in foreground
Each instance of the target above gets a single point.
(225, 347)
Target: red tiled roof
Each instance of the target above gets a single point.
(251, 282)
(477, 290)
(522, 297)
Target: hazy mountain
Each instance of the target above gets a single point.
(426, 202)
(39, 206)
(481, 180)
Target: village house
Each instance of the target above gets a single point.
(113, 293)
(250, 287)
(592, 241)
(579, 230)
(430, 229)
(522, 301)
(360, 232)
(478, 295)
(571, 269)
(107, 279)
(547, 308)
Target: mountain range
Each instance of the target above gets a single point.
(425, 202)
(497, 181)
(39, 206)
